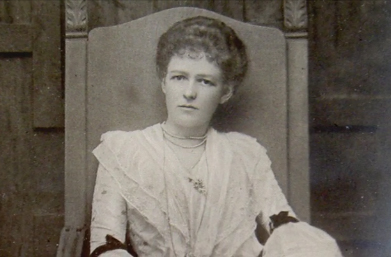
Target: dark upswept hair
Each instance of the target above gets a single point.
(212, 37)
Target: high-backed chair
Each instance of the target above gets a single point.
(115, 87)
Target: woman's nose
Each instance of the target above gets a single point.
(191, 91)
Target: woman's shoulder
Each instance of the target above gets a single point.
(243, 140)
(124, 141)
(248, 151)
(244, 144)
(118, 137)
(115, 135)
(114, 143)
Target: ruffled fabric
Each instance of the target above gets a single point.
(165, 215)
(300, 240)
(134, 170)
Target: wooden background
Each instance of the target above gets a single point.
(31, 128)
(350, 106)
(106, 13)
(350, 101)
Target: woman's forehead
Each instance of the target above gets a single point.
(190, 65)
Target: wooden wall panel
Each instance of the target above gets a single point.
(357, 180)
(15, 27)
(32, 169)
(15, 11)
(15, 38)
(344, 114)
(345, 190)
(131, 10)
(382, 222)
(15, 182)
(35, 26)
(267, 12)
(233, 9)
(163, 5)
(350, 48)
(107, 13)
(4, 13)
(102, 13)
(48, 96)
(350, 107)
(322, 43)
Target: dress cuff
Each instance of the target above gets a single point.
(111, 244)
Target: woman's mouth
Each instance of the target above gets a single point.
(190, 107)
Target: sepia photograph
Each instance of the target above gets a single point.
(195, 128)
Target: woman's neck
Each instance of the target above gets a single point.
(185, 132)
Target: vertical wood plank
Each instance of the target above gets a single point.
(341, 183)
(348, 23)
(30, 163)
(71, 242)
(383, 190)
(26, 160)
(5, 16)
(48, 102)
(230, 8)
(266, 12)
(322, 46)
(159, 5)
(20, 171)
(48, 178)
(131, 10)
(299, 183)
(162, 5)
(75, 133)
(101, 13)
(45, 241)
(323, 30)
(20, 11)
(76, 176)
(16, 187)
(350, 86)
(15, 38)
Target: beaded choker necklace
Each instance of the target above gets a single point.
(181, 137)
(168, 135)
(185, 146)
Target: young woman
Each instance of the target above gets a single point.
(181, 188)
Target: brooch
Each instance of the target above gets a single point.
(198, 185)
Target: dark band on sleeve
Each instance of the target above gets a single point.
(111, 244)
(281, 219)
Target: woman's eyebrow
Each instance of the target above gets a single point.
(205, 75)
(179, 71)
(208, 76)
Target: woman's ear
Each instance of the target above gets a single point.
(163, 85)
(229, 91)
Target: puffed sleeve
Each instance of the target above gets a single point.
(109, 215)
(300, 240)
(269, 196)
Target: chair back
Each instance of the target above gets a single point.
(124, 93)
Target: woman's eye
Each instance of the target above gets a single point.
(206, 82)
(178, 77)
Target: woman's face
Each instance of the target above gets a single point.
(193, 88)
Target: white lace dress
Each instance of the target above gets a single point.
(142, 189)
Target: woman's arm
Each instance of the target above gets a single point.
(290, 236)
(269, 194)
(108, 214)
